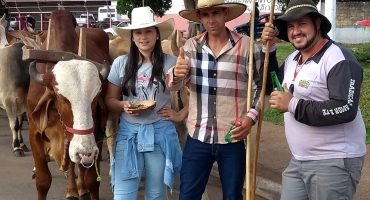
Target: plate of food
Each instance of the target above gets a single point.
(141, 106)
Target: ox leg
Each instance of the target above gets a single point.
(110, 133)
(19, 134)
(15, 128)
(43, 175)
(72, 192)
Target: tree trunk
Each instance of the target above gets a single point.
(193, 27)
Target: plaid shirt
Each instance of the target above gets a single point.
(218, 86)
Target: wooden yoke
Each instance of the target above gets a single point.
(51, 57)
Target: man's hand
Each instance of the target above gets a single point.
(169, 114)
(182, 66)
(268, 34)
(280, 100)
(241, 132)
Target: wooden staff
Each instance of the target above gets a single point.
(261, 113)
(249, 99)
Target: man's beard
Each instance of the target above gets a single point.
(308, 44)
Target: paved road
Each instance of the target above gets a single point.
(16, 182)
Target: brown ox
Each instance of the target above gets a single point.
(63, 102)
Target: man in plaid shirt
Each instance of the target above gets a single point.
(214, 65)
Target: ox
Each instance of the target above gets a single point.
(66, 111)
(14, 82)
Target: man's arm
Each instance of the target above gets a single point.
(344, 84)
(178, 76)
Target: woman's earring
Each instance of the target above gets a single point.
(157, 38)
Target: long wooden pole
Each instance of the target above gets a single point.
(249, 100)
(261, 113)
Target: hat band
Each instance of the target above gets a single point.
(300, 6)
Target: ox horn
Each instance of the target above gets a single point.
(3, 18)
(35, 75)
(105, 71)
(175, 49)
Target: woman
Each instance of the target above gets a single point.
(144, 141)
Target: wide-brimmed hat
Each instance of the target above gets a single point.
(236, 9)
(143, 17)
(297, 9)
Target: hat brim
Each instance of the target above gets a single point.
(281, 22)
(237, 10)
(165, 29)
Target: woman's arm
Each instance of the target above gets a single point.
(112, 100)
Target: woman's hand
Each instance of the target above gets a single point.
(169, 114)
(126, 105)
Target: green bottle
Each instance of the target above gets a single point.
(228, 135)
(276, 83)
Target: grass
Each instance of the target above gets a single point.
(362, 54)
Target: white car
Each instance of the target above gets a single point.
(111, 32)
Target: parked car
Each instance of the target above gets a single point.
(82, 21)
(106, 23)
(245, 30)
(13, 23)
(365, 22)
(111, 32)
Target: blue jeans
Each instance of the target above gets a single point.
(153, 162)
(197, 161)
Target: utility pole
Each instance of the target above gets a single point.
(143, 3)
(331, 13)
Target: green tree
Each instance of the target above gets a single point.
(284, 3)
(158, 6)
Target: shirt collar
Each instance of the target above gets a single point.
(317, 57)
(233, 37)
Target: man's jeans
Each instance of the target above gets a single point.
(197, 162)
(331, 179)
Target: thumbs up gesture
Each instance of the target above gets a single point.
(182, 66)
(280, 100)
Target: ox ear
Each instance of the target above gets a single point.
(40, 113)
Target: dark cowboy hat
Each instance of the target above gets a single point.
(297, 9)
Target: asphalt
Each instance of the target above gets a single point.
(273, 158)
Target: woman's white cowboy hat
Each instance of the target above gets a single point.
(236, 9)
(143, 17)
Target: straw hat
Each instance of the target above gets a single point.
(236, 9)
(143, 17)
(297, 9)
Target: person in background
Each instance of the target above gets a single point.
(323, 123)
(144, 141)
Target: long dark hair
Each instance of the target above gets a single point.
(132, 66)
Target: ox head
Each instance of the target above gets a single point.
(73, 88)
